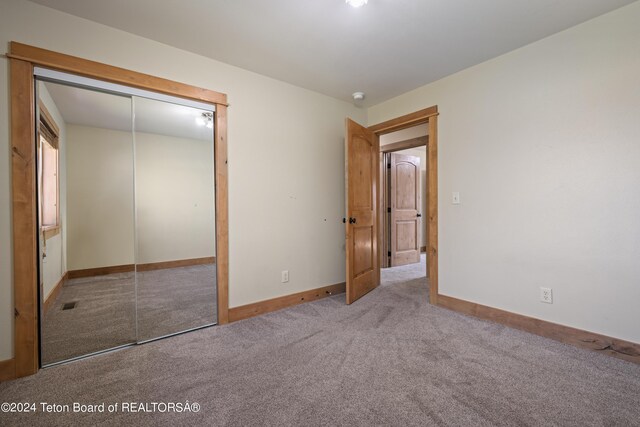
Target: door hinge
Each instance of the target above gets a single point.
(388, 165)
(389, 253)
(389, 210)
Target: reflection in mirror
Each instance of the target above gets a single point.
(86, 206)
(175, 218)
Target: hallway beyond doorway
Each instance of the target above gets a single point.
(404, 273)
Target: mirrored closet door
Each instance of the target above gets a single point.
(127, 217)
(175, 226)
(87, 279)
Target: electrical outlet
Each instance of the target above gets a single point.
(546, 295)
(285, 276)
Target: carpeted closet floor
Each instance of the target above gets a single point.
(389, 359)
(106, 308)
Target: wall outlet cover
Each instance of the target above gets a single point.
(546, 295)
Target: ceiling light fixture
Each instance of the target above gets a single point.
(206, 119)
(356, 3)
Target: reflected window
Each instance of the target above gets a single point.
(49, 181)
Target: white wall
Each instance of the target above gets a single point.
(404, 134)
(100, 212)
(286, 173)
(542, 144)
(174, 198)
(54, 264)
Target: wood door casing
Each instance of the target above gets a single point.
(405, 206)
(427, 115)
(361, 170)
(22, 59)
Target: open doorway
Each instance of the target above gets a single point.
(404, 194)
(365, 205)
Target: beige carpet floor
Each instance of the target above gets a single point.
(168, 301)
(389, 359)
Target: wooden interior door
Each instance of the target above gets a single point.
(405, 209)
(361, 158)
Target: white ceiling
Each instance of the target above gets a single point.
(102, 110)
(384, 49)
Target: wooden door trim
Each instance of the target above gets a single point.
(383, 222)
(432, 210)
(429, 116)
(420, 141)
(222, 212)
(406, 121)
(22, 59)
(109, 73)
(25, 233)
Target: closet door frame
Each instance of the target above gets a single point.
(23, 58)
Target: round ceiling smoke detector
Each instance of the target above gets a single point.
(358, 96)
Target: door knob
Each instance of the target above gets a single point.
(352, 220)
(419, 215)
